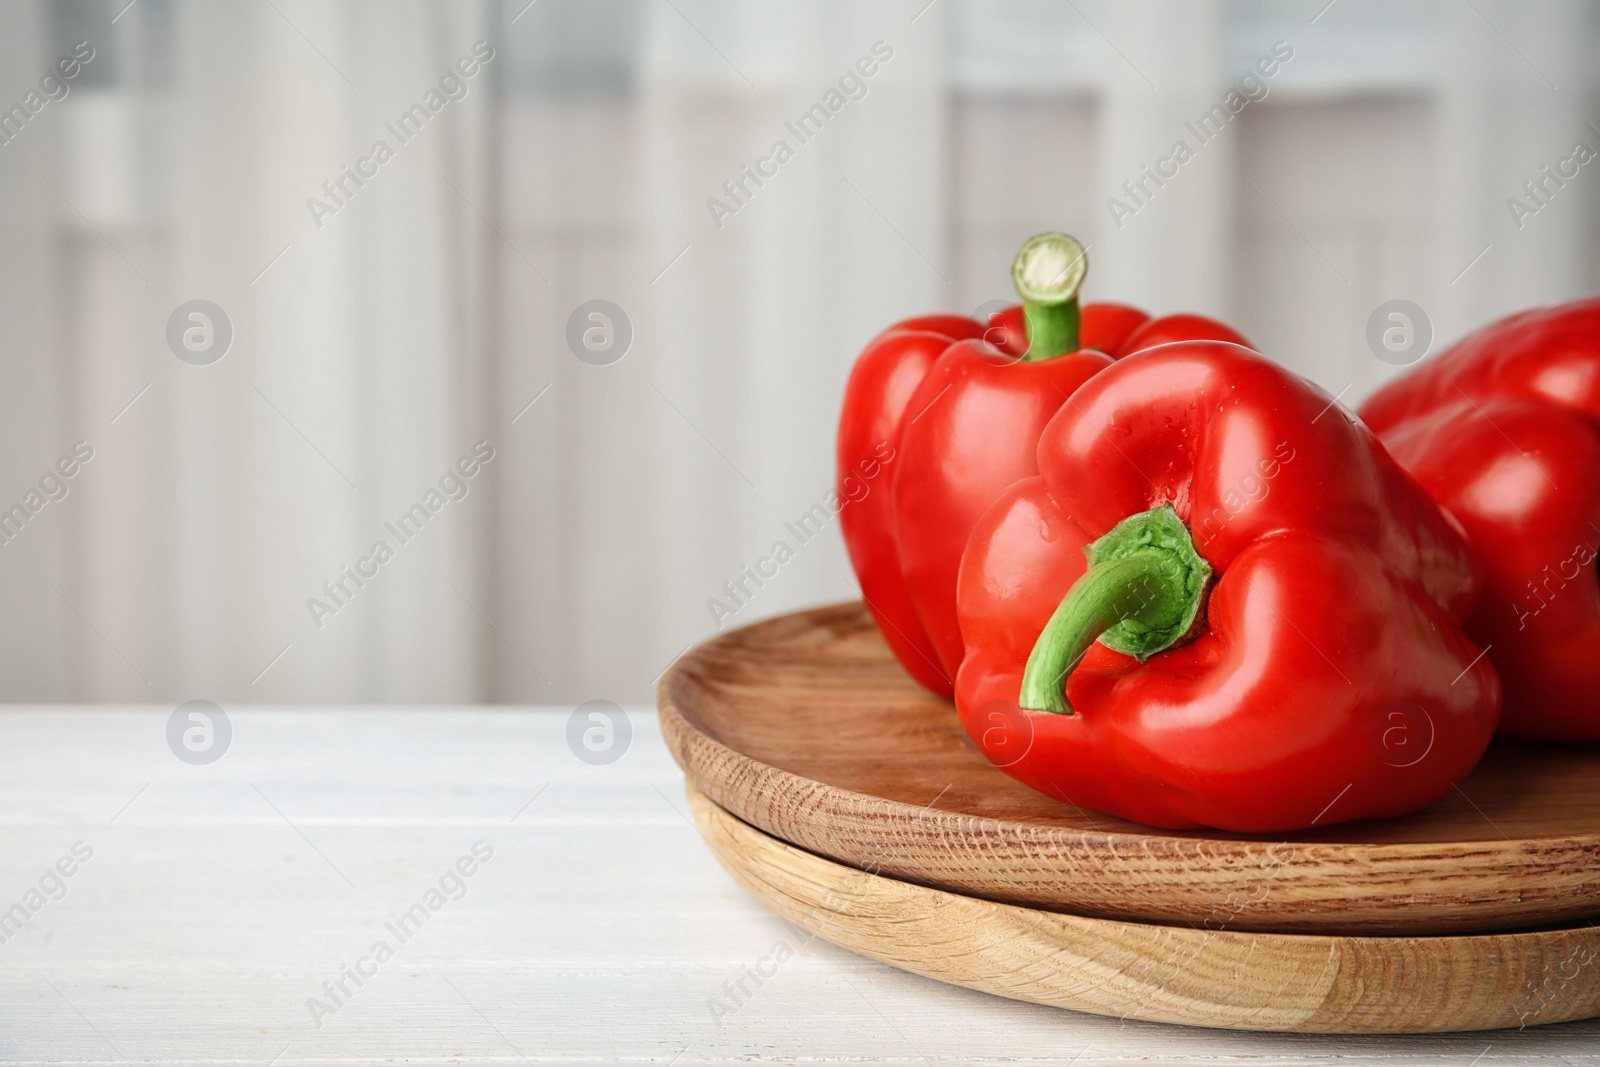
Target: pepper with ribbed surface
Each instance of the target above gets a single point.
(957, 406)
(1223, 604)
(1503, 429)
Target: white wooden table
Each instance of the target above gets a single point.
(220, 898)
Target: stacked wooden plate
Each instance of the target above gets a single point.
(851, 802)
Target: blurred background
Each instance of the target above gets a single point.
(372, 315)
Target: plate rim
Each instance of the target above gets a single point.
(712, 765)
(1381, 1011)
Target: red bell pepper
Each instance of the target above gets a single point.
(1256, 614)
(955, 408)
(1503, 428)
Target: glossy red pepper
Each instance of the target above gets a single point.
(1327, 677)
(952, 409)
(1503, 428)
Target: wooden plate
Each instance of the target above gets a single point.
(1222, 978)
(805, 727)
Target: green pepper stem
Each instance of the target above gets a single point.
(1140, 595)
(1048, 272)
(1052, 331)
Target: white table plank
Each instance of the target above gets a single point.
(600, 931)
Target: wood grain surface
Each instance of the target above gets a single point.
(1228, 979)
(603, 930)
(805, 727)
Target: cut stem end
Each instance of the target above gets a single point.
(1048, 272)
